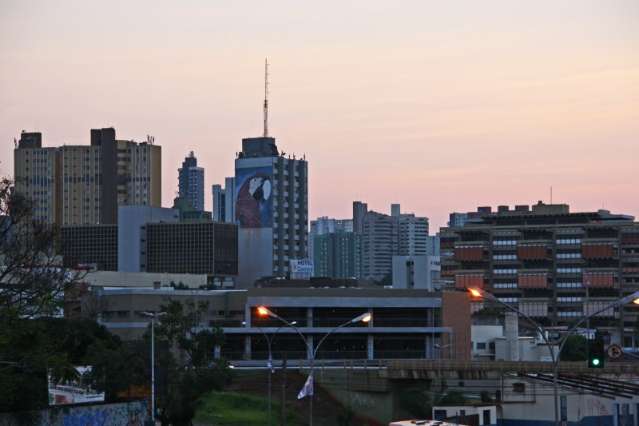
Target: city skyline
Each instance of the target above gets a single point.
(454, 107)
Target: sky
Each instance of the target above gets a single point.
(439, 106)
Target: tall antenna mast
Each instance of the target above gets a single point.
(266, 97)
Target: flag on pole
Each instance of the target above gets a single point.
(307, 389)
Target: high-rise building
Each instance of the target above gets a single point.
(336, 254)
(85, 184)
(223, 202)
(325, 225)
(271, 209)
(191, 182)
(37, 176)
(219, 203)
(384, 236)
(359, 212)
(553, 265)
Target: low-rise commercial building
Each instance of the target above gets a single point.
(405, 323)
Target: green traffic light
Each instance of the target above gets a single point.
(595, 361)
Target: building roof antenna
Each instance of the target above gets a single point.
(266, 97)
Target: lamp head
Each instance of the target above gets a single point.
(263, 311)
(476, 293)
(365, 317)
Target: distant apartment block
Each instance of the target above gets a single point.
(554, 265)
(85, 184)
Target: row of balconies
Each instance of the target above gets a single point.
(533, 251)
(538, 307)
(531, 279)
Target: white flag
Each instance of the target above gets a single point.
(307, 389)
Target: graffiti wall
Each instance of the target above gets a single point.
(125, 414)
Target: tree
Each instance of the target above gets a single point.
(32, 285)
(182, 379)
(32, 279)
(575, 349)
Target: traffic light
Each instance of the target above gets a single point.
(596, 353)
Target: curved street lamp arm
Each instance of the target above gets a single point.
(274, 315)
(613, 305)
(328, 334)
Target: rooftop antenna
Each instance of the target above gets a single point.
(266, 97)
(550, 194)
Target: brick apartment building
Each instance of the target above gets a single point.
(553, 265)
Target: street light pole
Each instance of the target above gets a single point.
(153, 315)
(556, 358)
(365, 317)
(269, 345)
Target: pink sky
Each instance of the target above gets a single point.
(439, 107)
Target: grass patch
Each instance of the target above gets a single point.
(236, 409)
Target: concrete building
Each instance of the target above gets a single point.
(130, 222)
(85, 184)
(271, 209)
(191, 182)
(553, 265)
(147, 280)
(405, 323)
(384, 236)
(415, 271)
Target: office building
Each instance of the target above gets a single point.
(85, 184)
(384, 236)
(191, 182)
(553, 265)
(94, 246)
(131, 219)
(271, 209)
(189, 248)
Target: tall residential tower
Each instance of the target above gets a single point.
(191, 182)
(85, 184)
